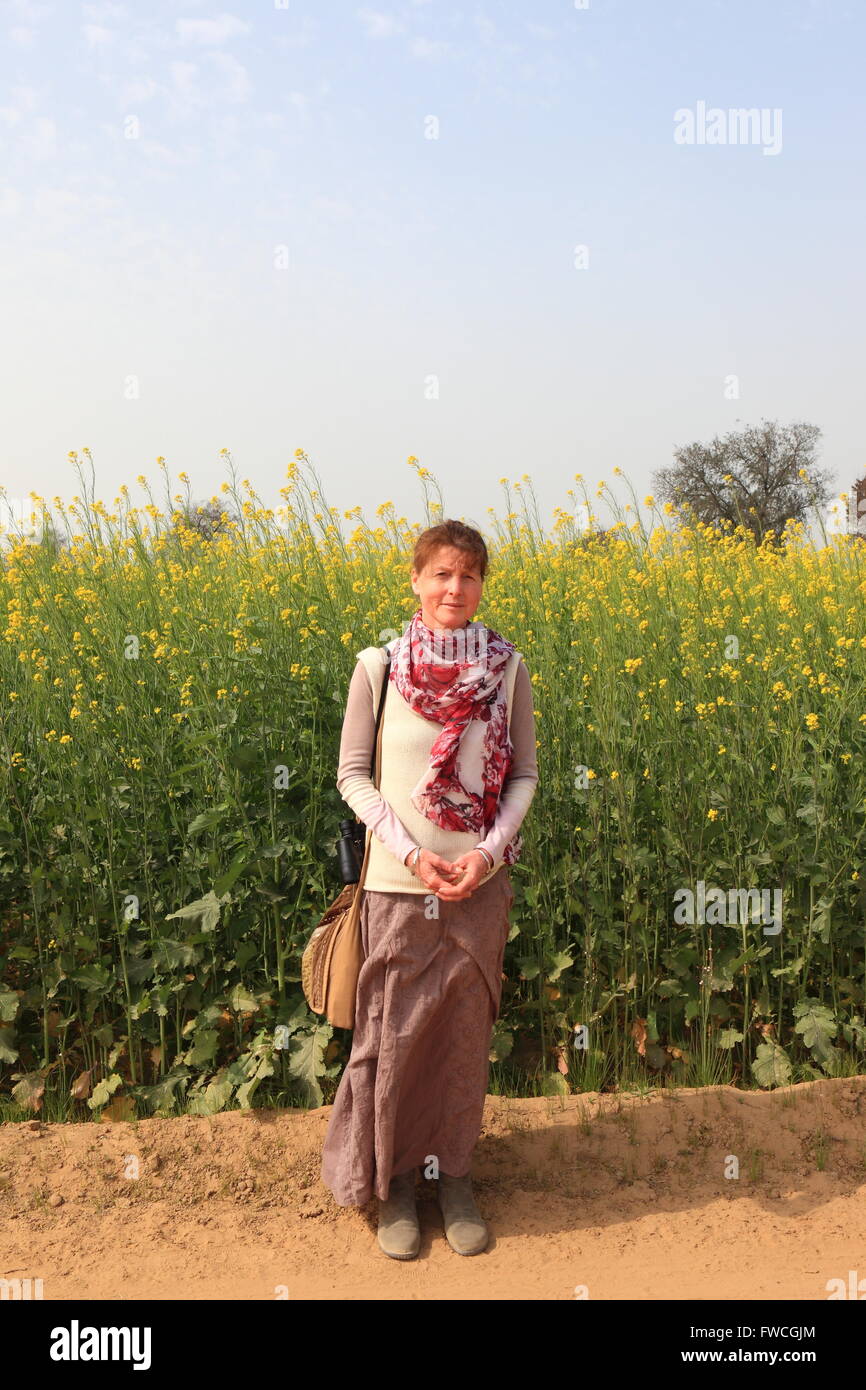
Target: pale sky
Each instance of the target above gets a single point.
(226, 225)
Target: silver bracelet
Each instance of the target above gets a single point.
(487, 855)
(414, 862)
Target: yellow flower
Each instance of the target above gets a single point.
(812, 721)
(712, 814)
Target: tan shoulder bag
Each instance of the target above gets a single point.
(332, 958)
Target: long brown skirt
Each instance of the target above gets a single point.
(428, 996)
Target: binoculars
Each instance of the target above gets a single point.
(350, 849)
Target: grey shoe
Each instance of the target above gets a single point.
(465, 1229)
(399, 1232)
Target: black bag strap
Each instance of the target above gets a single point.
(382, 695)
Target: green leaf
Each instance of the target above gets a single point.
(52, 977)
(242, 1002)
(204, 1047)
(306, 1051)
(828, 1057)
(501, 1045)
(246, 951)
(232, 873)
(555, 1084)
(96, 979)
(245, 757)
(8, 1050)
(247, 1090)
(8, 1004)
(680, 962)
(747, 956)
(771, 1066)
(215, 1097)
(729, 1037)
(161, 1095)
(299, 1017)
(206, 821)
(274, 851)
(206, 908)
(668, 989)
(793, 969)
(104, 1090)
(171, 953)
(140, 970)
(561, 961)
(822, 920)
(814, 1021)
(656, 1056)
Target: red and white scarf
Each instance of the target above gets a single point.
(455, 678)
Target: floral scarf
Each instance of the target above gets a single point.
(455, 677)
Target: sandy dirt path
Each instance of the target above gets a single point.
(620, 1195)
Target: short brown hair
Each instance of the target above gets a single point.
(454, 533)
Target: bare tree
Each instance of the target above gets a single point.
(208, 519)
(751, 478)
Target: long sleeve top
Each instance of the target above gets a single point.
(407, 738)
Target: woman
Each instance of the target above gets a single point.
(458, 774)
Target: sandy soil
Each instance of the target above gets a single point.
(625, 1196)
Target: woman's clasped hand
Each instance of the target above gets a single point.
(451, 880)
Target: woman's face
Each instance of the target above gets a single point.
(449, 588)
